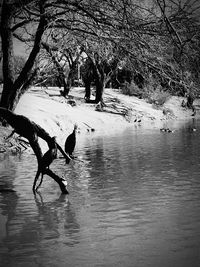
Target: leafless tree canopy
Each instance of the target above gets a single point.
(153, 37)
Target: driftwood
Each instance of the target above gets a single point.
(115, 107)
(31, 131)
(17, 145)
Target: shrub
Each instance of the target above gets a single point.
(153, 92)
(131, 89)
(157, 97)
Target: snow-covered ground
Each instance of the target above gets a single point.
(57, 115)
(54, 112)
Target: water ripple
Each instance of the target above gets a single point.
(134, 201)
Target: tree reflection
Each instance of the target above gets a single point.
(30, 234)
(59, 218)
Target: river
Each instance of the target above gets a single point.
(134, 200)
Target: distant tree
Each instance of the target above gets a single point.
(58, 66)
(101, 62)
(65, 51)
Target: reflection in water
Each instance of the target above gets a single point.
(30, 232)
(134, 201)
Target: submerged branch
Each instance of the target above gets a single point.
(31, 131)
(62, 182)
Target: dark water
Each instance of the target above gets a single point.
(134, 201)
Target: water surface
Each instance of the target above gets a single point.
(134, 201)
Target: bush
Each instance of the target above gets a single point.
(153, 92)
(157, 96)
(131, 89)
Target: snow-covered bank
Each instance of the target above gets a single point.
(57, 115)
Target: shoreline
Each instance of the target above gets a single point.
(47, 107)
(57, 115)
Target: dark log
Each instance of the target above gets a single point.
(31, 131)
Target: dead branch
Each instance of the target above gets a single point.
(31, 131)
(60, 181)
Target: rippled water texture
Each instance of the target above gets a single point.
(134, 201)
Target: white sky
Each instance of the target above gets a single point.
(19, 48)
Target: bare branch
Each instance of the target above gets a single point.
(168, 23)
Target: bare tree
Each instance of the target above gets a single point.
(179, 21)
(102, 61)
(28, 20)
(17, 19)
(65, 51)
(137, 26)
(14, 88)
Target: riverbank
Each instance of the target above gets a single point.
(57, 115)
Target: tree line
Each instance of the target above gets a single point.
(157, 40)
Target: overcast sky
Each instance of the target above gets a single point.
(19, 48)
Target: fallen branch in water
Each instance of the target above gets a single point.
(62, 182)
(31, 131)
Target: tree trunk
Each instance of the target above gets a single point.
(87, 89)
(99, 91)
(72, 73)
(70, 79)
(12, 90)
(87, 76)
(8, 56)
(99, 82)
